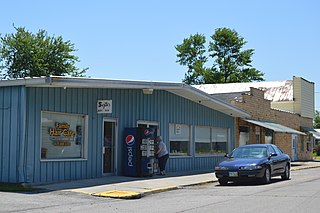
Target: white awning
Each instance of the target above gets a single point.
(314, 132)
(274, 126)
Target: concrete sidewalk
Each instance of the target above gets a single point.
(132, 187)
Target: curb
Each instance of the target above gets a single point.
(138, 195)
(132, 195)
(158, 190)
(119, 194)
(305, 167)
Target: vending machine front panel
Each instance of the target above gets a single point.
(131, 152)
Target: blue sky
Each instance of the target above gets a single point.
(135, 40)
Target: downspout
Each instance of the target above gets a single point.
(22, 135)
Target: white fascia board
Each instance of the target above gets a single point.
(180, 89)
(220, 105)
(23, 81)
(108, 83)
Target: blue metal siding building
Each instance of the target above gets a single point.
(22, 103)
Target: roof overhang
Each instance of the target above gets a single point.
(179, 89)
(274, 126)
(314, 132)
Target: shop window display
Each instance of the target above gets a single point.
(62, 136)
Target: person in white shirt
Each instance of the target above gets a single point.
(162, 154)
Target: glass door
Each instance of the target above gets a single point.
(109, 138)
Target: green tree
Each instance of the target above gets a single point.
(230, 63)
(316, 121)
(24, 54)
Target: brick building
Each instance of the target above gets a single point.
(296, 143)
(281, 113)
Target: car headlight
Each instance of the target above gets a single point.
(252, 167)
(220, 168)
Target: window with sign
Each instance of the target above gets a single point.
(179, 136)
(62, 136)
(210, 140)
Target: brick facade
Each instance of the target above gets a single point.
(260, 109)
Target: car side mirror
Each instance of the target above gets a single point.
(226, 155)
(273, 154)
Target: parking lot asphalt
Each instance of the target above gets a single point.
(136, 187)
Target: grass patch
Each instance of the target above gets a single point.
(316, 157)
(16, 187)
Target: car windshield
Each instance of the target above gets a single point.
(249, 152)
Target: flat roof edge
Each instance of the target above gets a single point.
(80, 82)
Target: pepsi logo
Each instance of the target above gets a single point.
(146, 132)
(130, 140)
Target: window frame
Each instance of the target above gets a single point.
(84, 147)
(189, 153)
(245, 130)
(211, 152)
(148, 124)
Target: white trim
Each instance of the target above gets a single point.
(84, 147)
(63, 159)
(148, 123)
(179, 89)
(189, 140)
(86, 137)
(115, 150)
(154, 123)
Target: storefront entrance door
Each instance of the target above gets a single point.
(109, 133)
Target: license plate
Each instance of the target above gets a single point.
(233, 174)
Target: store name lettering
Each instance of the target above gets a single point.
(61, 134)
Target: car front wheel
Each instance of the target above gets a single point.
(267, 176)
(222, 182)
(286, 174)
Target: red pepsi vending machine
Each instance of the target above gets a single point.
(138, 154)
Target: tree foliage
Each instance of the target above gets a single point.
(316, 121)
(230, 63)
(24, 54)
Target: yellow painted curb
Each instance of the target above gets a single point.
(118, 194)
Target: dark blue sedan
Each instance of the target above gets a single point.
(254, 161)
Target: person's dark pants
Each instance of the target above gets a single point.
(163, 162)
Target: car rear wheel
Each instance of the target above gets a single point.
(286, 174)
(267, 176)
(222, 182)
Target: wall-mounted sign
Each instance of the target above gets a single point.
(177, 129)
(104, 106)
